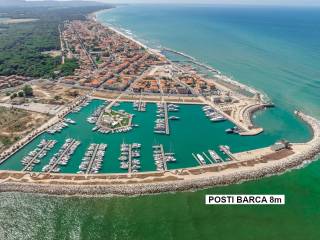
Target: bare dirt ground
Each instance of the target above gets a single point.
(16, 123)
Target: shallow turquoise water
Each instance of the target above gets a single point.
(273, 49)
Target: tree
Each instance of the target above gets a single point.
(57, 97)
(14, 95)
(28, 91)
(21, 94)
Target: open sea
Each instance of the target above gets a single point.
(274, 49)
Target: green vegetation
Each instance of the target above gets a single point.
(27, 91)
(68, 67)
(120, 118)
(21, 45)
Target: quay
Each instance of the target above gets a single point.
(244, 129)
(44, 148)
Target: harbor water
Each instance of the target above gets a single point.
(192, 133)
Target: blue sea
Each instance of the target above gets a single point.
(274, 49)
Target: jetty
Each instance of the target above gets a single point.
(64, 153)
(35, 157)
(166, 118)
(92, 158)
(130, 159)
(165, 167)
(201, 163)
(160, 158)
(206, 156)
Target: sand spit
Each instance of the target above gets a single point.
(171, 181)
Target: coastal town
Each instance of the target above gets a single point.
(116, 74)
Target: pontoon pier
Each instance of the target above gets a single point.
(44, 148)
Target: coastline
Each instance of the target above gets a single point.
(171, 181)
(94, 17)
(221, 76)
(218, 75)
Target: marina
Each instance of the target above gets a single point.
(62, 157)
(36, 155)
(272, 49)
(129, 158)
(199, 158)
(140, 105)
(212, 114)
(93, 158)
(162, 122)
(183, 139)
(57, 127)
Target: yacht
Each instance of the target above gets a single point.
(214, 156)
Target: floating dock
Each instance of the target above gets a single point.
(92, 158)
(166, 118)
(160, 158)
(197, 159)
(165, 167)
(44, 148)
(210, 161)
(130, 159)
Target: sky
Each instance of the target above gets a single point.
(227, 2)
(246, 2)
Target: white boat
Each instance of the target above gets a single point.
(201, 159)
(215, 156)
